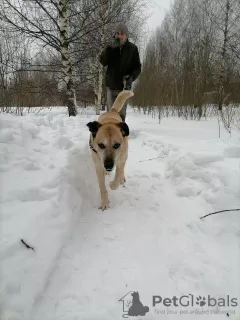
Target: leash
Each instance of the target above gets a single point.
(90, 145)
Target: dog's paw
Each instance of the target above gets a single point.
(114, 185)
(104, 204)
(101, 207)
(123, 180)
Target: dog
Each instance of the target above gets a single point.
(109, 146)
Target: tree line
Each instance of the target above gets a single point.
(49, 54)
(193, 59)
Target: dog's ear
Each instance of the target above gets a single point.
(93, 127)
(124, 128)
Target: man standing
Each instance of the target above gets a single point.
(123, 65)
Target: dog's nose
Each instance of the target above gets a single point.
(108, 164)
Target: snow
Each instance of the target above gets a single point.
(150, 240)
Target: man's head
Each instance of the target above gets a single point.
(121, 32)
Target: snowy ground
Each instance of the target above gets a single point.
(151, 240)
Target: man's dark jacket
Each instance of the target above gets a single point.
(120, 61)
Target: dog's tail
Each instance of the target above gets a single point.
(121, 98)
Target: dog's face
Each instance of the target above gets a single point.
(108, 140)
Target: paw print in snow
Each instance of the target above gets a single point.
(201, 301)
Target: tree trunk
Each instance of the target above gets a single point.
(66, 62)
(98, 85)
(98, 89)
(223, 58)
(71, 100)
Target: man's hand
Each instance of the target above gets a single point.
(127, 82)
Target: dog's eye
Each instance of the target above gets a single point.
(101, 145)
(116, 145)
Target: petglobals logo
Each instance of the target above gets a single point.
(194, 301)
(132, 306)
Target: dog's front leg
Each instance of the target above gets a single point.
(103, 191)
(119, 175)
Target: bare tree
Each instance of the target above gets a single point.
(48, 23)
(65, 56)
(191, 55)
(12, 49)
(223, 54)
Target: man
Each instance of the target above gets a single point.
(123, 65)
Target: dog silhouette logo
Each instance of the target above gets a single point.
(132, 306)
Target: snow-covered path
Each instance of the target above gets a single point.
(151, 240)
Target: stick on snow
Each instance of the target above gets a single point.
(151, 159)
(209, 214)
(26, 245)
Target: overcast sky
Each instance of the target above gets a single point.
(159, 9)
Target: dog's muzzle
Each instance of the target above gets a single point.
(108, 164)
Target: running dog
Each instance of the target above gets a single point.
(109, 146)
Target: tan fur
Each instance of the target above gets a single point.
(110, 133)
(122, 97)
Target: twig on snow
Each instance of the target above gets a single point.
(151, 159)
(209, 214)
(26, 245)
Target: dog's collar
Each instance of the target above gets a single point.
(90, 145)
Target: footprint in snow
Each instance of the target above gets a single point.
(31, 166)
(31, 194)
(63, 143)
